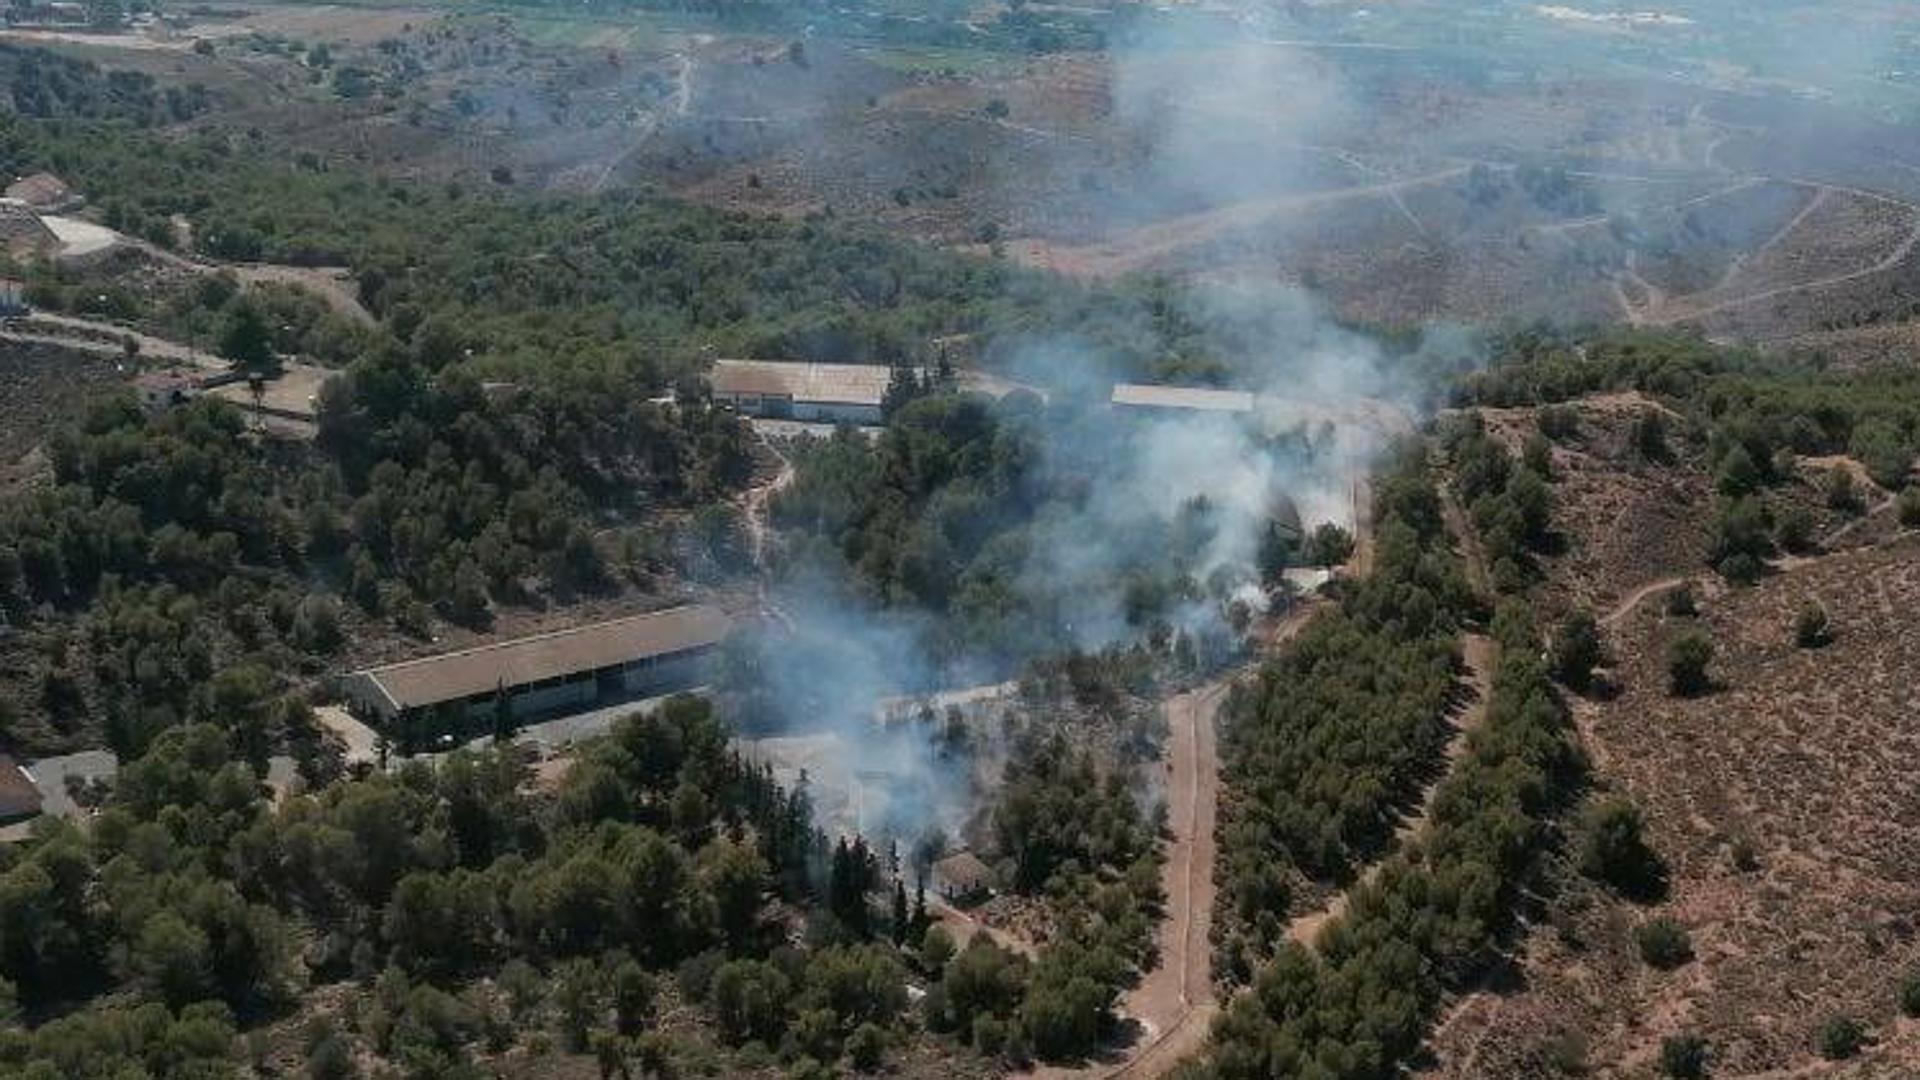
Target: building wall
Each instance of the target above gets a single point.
(665, 674)
(646, 677)
(770, 405)
(833, 412)
(364, 699)
(574, 694)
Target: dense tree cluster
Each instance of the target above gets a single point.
(1431, 920)
(1757, 414)
(1511, 502)
(460, 911)
(1344, 728)
(185, 544)
(49, 85)
(1024, 524)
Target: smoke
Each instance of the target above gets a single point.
(1149, 522)
(1223, 122)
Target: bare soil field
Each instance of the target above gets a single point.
(1780, 805)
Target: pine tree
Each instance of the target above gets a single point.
(900, 924)
(503, 725)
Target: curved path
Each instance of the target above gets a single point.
(1891, 260)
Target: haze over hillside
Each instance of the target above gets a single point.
(1236, 540)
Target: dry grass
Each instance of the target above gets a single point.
(1782, 802)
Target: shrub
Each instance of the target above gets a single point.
(1613, 848)
(1663, 943)
(1742, 569)
(1810, 628)
(1680, 602)
(1841, 1037)
(1910, 994)
(1907, 508)
(1557, 422)
(1650, 436)
(1684, 1056)
(1537, 455)
(1742, 538)
(866, 1047)
(1794, 532)
(1884, 450)
(1577, 650)
(1688, 657)
(1738, 473)
(1842, 493)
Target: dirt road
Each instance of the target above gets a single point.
(1175, 1003)
(754, 506)
(1637, 597)
(1137, 249)
(105, 337)
(1675, 310)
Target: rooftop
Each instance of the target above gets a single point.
(963, 869)
(468, 672)
(19, 796)
(843, 384)
(1144, 396)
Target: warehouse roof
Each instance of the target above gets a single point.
(843, 384)
(19, 795)
(1139, 395)
(452, 676)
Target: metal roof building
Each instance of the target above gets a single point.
(552, 672)
(1182, 398)
(849, 393)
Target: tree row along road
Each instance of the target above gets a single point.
(1479, 653)
(1174, 1003)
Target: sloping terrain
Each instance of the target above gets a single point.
(1777, 800)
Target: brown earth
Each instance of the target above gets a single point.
(1778, 801)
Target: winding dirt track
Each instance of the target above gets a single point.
(1673, 310)
(1138, 248)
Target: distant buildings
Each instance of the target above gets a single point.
(13, 299)
(162, 390)
(23, 235)
(293, 394)
(557, 672)
(823, 393)
(47, 787)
